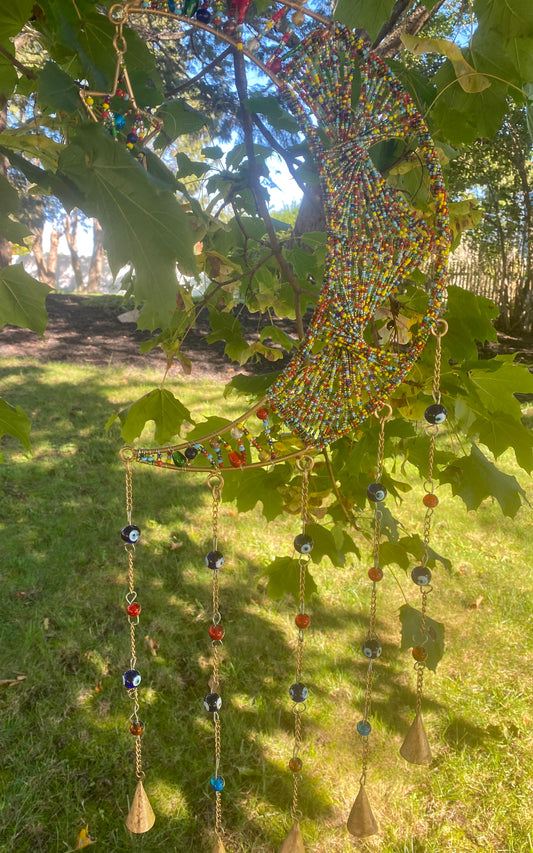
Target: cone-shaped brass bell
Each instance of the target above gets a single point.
(141, 817)
(219, 847)
(294, 842)
(361, 821)
(415, 747)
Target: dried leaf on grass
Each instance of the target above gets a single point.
(83, 839)
(9, 682)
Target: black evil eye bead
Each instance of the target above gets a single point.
(303, 543)
(376, 492)
(298, 692)
(212, 702)
(421, 575)
(131, 679)
(191, 453)
(214, 560)
(435, 414)
(371, 648)
(130, 533)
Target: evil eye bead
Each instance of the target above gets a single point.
(364, 728)
(298, 692)
(191, 453)
(214, 560)
(217, 783)
(131, 533)
(131, 679)
(303, 543)
(212, 702)
(435, 414)
(137, 728)
(421, 575)
(372, 648)
(203, 15)
(376, 492)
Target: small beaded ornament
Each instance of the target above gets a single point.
(346, 102)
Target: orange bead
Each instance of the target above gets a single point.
(430, 500)
(375, 574)
(419, 653)
(295, 764)
(303, 620)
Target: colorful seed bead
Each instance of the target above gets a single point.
(216, 632)
(435, 414)
(421, 575)
(295, 764)
(364, 728)
(298, 692)
(214, 560)
(217, 783)
(376, 492)
(131, 679)
(137, 728)
(419, 653)
(131, 533)
(133, 609)
(430, 500)
(212, 702)
(303, 543)
(375, 574)
(303, 620)
(371, 648)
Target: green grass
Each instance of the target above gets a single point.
(66, 752)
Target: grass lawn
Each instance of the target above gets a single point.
(67, 757)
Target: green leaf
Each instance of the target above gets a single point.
(178, 118)
(502, 431)
(496, 383)
(12, 18)
(188, 167)
(57, 90)
(212, 152)
(278, 336)
(143, 224)
(469, 319)
(325, 545)
(8, 77)
(22, 299)
(284, 578)
(247, 487)
(514, 17)
(362, 13)
(432, 638)
(227, 328)
(270, 107)
(14, 422)
(159, 406)
(474, 478)
(463, 117)
(254, 387)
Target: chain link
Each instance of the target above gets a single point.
(130, 597)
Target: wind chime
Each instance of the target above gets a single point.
(345, 100)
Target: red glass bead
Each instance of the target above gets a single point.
(275, 65)
(303, 620)
(375, 574)
(295, 764)
(430, 500)
(262, 414)
(235, 459)
(133, 609)
(216, 632)
(137, 728)
(419, 653)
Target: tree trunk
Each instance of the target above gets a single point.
(6, 248)
(71, 233)
(97, 259)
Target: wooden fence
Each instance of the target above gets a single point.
(488, 280)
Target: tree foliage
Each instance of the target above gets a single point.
(194, 208)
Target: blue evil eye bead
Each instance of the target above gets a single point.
(364, 728)
(372, 648)
(131, 679)
(212, 702)
(119, 120)
(217, 783)
(421, 575)
(298, 692)
(191, 453)
(303, 543)
(435, 414)
(130, 533)
(203, 15)
(376, 492)
(214, 560)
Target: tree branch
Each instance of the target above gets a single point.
(14, 61)
(414, 23)
(255, 186)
